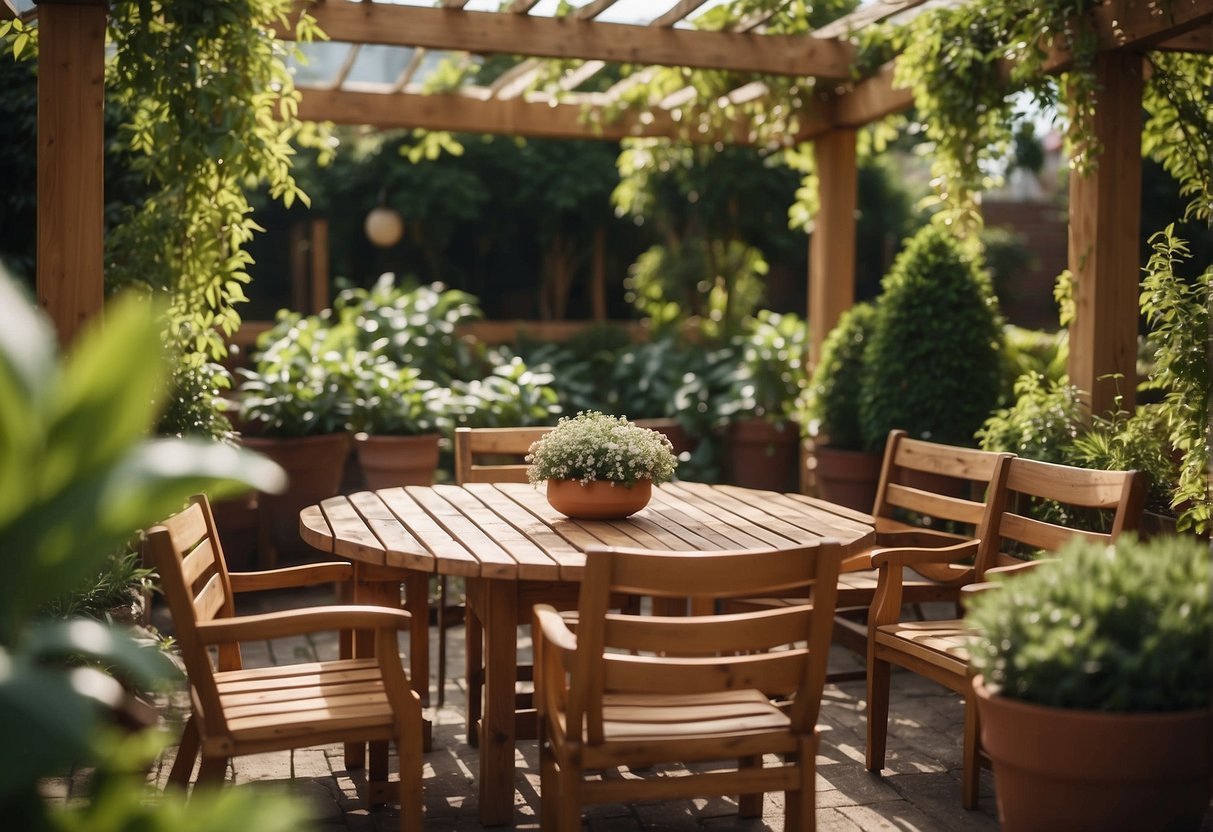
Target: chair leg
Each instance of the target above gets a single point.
(972, 762)
(549, 781)
(408, 748)
(376, 772)
(568, 805)
(749, 805)
(212, 771)
(441, 640)
(800, 805)
(878, 712)
(474, 653)
(187, 754)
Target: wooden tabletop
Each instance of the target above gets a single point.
(508, 530)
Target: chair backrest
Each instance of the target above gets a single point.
(1119, 496)
(779, 652)
(186, 553)
(493, 454)
(926, 483)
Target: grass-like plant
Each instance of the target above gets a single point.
(1124, 628)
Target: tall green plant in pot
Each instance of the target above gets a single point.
(399, 420)
(1095, 688)
(294, 407)
(760, 404)
(846, 469)
(932, 365)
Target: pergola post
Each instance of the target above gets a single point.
(1105, 215)
(71, 133)
(832, 244)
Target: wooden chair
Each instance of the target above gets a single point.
(483, 455)
(929, 496)
(237, 710)
(939, 649)
(642, 690)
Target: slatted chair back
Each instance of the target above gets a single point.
(1117, 497)
(779, 652)
(493, 454)
(188, 556)
(933, 482)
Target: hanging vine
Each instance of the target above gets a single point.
(207, 113)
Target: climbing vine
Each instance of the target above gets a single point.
(1178, 132)
(207, 113)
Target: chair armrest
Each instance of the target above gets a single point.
(917, 539)
(1016, 568)
(554, 630)
(292, 576)
(298, 622)
(907, 556)
(555, 647)
(886, 602)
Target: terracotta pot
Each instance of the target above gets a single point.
(389, 461)
(1059, 770)
(314, 465)
(763, 455)
(847, 478)
(598, 500)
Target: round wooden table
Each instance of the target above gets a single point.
(514, 550)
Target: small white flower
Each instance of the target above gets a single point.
(595, 446)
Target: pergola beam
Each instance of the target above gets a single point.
(535, 117)
(574, 37)
(1119, 25)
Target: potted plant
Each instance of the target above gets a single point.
(763, 437)
(932, 365)
(847, 470)
(398, 419)
(294, 407)
(1094, 688)
(598, 466)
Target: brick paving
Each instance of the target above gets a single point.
(920, 789)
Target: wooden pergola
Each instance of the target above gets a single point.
(1104, 207)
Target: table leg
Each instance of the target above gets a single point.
(417, 602)
(377, 586)
(497, 726)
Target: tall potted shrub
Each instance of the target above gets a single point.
(932, 364)
(294, 407)
(847, 470)
(1095, 685)
(763, 435)
(398, 420)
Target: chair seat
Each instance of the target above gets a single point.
(265, 704)
(941, 643)
(856, 589)
(646, 728)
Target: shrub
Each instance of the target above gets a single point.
(1122, 628)
(933, 365)
(831, 402)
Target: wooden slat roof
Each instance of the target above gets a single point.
(511, 105)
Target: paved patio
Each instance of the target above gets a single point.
(920, 789)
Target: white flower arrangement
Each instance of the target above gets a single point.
(594, 446)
